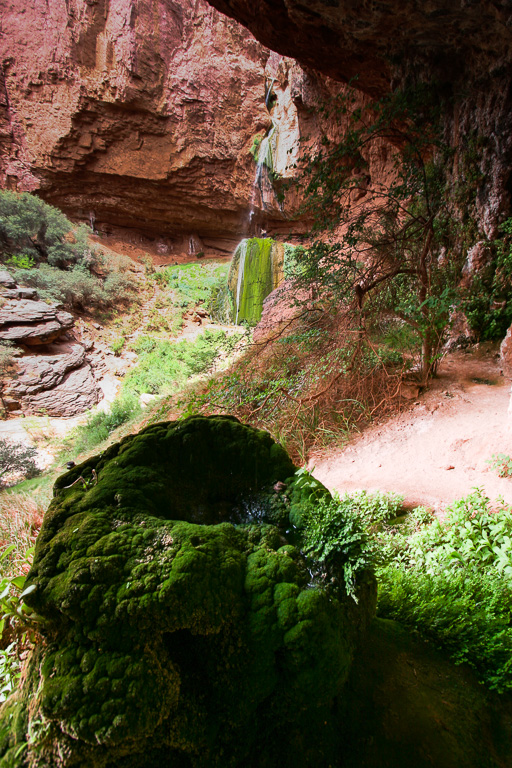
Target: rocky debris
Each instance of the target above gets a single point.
(60, 383)
(33, 322)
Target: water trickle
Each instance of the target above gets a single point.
(268, 94)
(92, 221)
(241, 270)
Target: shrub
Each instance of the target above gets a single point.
(451, 581)
(335, 538)
(7, 354)
(117, 345)
(44, 250)
(32, 229)
(77, 288)
(501, 463)
(100, 425)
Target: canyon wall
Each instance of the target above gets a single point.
(463, 48)
(138, 115)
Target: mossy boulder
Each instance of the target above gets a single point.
(255, 271)
(180, 624)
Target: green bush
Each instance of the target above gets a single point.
(501, 463)
(117, 345)
(451, 581)
(163, 366)
(100, 425)
(43, 249)
(77, 288)
(32, 229)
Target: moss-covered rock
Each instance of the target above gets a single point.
(255, 271)
(180, 626)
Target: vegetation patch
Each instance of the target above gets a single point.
(193, 283)
(163, 366)
(451, 581)
(43, 249)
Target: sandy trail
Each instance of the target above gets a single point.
(436, 450)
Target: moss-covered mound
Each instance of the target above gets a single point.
(255, 271)
(180, 626)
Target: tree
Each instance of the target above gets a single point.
(31, 231)
(16, 457)
(397, 251)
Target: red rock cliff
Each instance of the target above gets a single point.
(139, 113)
(465, 47)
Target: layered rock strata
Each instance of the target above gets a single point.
(60, 383)
(137, 115)
(32, 322)
(47, 375)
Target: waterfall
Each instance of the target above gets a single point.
(268, 94)
(92, 221)
(256, 270)
(241, 270)
(265, 160)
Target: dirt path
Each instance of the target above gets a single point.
(435, 451)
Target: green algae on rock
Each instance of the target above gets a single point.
(180, 623)
(257, 268)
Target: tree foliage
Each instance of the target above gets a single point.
(390, 246)
(16, 457)
(31, 231)
(43, 249)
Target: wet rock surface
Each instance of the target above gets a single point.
(464, 48)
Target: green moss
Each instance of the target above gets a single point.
(175, 614)
(255, 271)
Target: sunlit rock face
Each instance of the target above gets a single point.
(133, 114)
